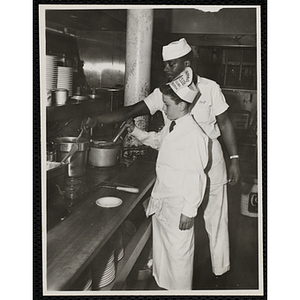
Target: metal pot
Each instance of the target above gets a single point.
(77, 162)
(104, 153)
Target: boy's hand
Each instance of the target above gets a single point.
(185, 222)
(130, 125)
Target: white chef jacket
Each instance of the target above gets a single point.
(179, 189)
(181, 161)
(210, 104)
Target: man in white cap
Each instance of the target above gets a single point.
(180, 184)
(210, 112)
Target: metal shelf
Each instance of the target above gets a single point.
(74, 110)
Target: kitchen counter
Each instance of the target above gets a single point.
(74, 242)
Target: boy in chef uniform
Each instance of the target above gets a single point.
(179, 186)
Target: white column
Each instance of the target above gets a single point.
(138, 61)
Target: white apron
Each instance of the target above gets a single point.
(173, 249)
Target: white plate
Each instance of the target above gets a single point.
(109, 202)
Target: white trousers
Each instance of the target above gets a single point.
(216, 225)
(216, 211)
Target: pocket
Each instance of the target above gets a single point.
(203, 115)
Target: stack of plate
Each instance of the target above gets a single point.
(117, 242)
(103, 268)
(120, 252)
(65, 79)
(51, 72)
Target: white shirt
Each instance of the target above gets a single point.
(182, 158)
(210, 104)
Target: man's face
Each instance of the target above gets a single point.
(170, 108)
(173, 68)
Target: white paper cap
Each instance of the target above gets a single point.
(175, 50)
(183, 86)
(188, 93)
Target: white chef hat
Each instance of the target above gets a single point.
(175, 50)
(184, 87)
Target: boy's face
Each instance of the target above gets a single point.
(170, 108)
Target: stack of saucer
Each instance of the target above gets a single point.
(51, 72)
(103, 268)
(65, 79)
(51, 77)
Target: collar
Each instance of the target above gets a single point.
(181, 119)
(201, 80)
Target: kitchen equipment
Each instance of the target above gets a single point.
(61, 96)
(94, 96)
(132, 190)
(80, 97)
(104, 153)
(72, 188)
(51, 155)
(74, 148)
(56, 173)
(76, 163)
(121, 130)
(109, 202)
(80, 134)
(249, 197)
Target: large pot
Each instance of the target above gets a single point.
(104, 153)
(77, 162)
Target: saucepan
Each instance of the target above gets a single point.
(106, 153)
(72, 151)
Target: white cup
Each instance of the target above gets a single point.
(61, 96)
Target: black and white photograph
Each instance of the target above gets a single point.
(151, 120)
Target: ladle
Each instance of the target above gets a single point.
(74, 148)
(79, 135)
(121, 130)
